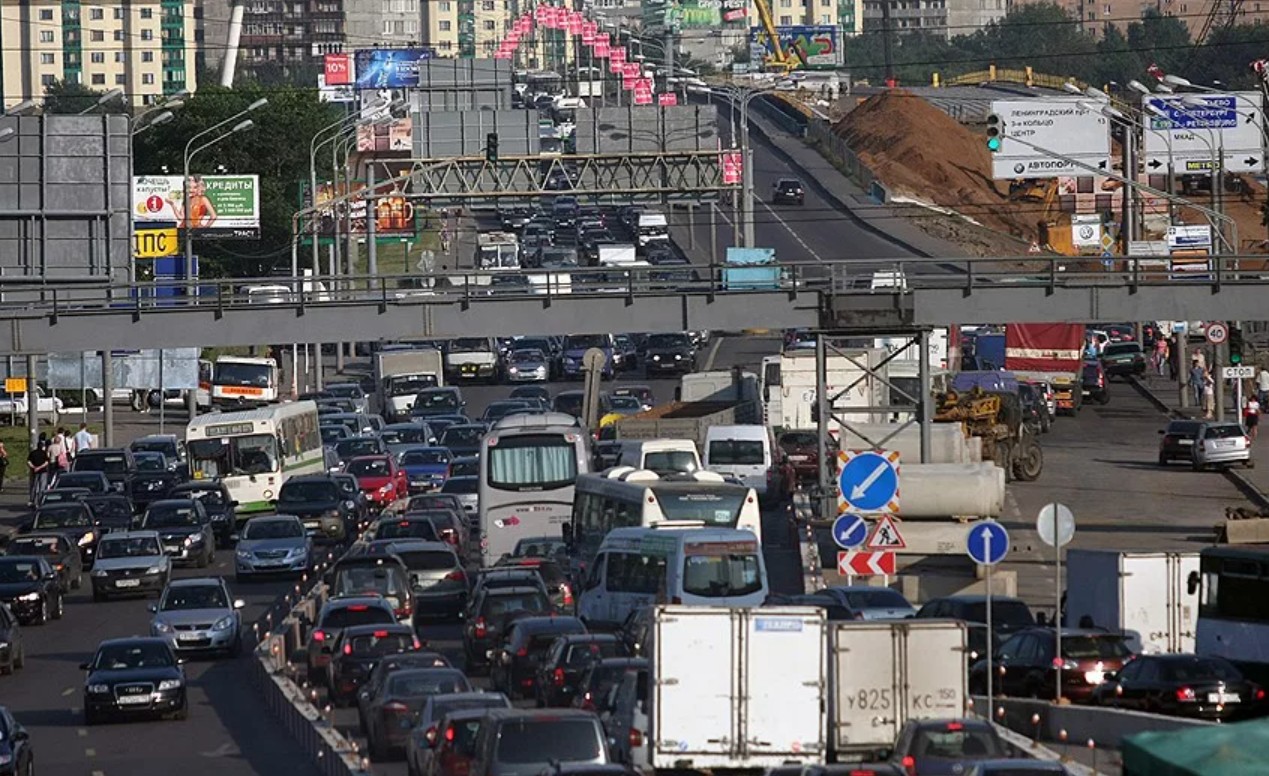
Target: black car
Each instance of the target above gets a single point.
(437, 401)
(463, 439)
(328, 512)
(114, 462)
(63, 495)
(152, 481)
(515, 663)
(1124, 359)
(12, 651)
(75, 520)
(352, 491)
(672, 353)
(490, 612)
(133, 677)
(218, 503)
(560, 671)
(1007, 614)
(112, 512)
(1095, 384)
(32, 589)
(17, 756)
(184, 530)
(946, 745)
(788, 191)
(1177, 443)
(1183, 686)
(170, 445)
(385, 667)
(600, 677)
(354, 655)
(58, 549)
(94, 482)
(365, 444)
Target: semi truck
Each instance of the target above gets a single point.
(1052, 352)
(399, 376)
(789, 395)
(1146, 595)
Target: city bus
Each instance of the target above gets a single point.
(1233, 617)
(254, 451)
(242, 381)
(528, 464)
(625, 497)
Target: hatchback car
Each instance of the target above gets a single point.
(943, 747)
(328, 511)
(515, 663)
(185, 530)
(198, 615)
(355, 652)
(1176, 442)
(1221, 444)
(560, 670)
(426, 468)
(380, 478)
(421, 742)
(788, 191)
(72, 519)
(272, 544)
(514, 741)
(31, 589)
(220, 506)
(335, 615)
(398, 704)
(438, 581)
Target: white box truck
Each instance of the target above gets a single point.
(789, 396)
(1146, 595)
(887, 673)
(735, 688)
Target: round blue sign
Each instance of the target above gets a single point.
(868, 482)
(987, 542)
(850, 531)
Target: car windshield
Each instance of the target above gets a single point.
(881, 597)
(797, 439)
(437, 400)
(462, 435)
(1121, 349)
(114, 463)
(670, 461)
(1198, 669)
(332, 434)
(424, 457)
(548, 740)
(62, 516)
(527, 356)
(624, 403)
(425, 682)
(428, 560)
(34, 545)
(123, 657)
(470, 345)
(90, 480)
(404, 436)
(463, 485)
(154, 446)
(273, 529)
(736, 452)
(1094, 647)
(13, 571)
(312, 491)
(1224, 431)
(170, 517)
(347, 390)
(351, 448)
(722, 575)
(367, 579)
(956, 742)
(150, 462)
(541, 547)
(380, 643)
(1183, 428)
(369, 467)
(432, 501)
(194, 597)
(129, 547)
(500, 605)
(357, 614)
(583, 341)
(667, 341)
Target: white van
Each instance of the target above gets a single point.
(677, 562)
(652, 226)
(744, 452)
(663, 456)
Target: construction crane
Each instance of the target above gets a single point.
(780, 59)
(1222, 16)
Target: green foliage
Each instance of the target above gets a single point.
(276, 148)
(70, 97)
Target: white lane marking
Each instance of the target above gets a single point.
(789, 229)
(713, 353)
(224, 750)
(90, 752)
(99, 773)
(82, 732)
(68, 691)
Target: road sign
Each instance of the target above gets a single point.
(1217, 333)
(866, 564)
(15, 385)
(1238, 372)
(1194, 128)
(868, 482)
(850, 531)
(987, 542)
(667, 98)
(886, 535)
(1086, 231)
(1059, 532)
(1188, 237)
(731, 167)
(155, 243)
(1039, 138)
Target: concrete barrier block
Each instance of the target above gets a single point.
(1106, 727)
(1253, 531)
(927, 586)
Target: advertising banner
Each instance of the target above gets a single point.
(395, 215)
(816, 46)
(376, 138)
(219, 206)
(338, 70)
(389, 68)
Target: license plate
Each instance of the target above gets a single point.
(127, 583)
(133, 700)
(1186, 442)
(188, 636)
(1229, 443)
(799, 458)
(1223, 697)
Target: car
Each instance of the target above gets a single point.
(1124, 359)
(437, 401)
(489, 614)
(351, 391)
(438, 581)
(404, 436)
(380, 478)
(63, 496)
(111, 512)
(93, 481)
(425, 502)
(553, 547)
(153, 479)
(116, 463)
(526, 365)
(1183, 685)
(539, 393)
(31, 588)
(561, 668)
(1028, 662)
(357, 446)
(383, 575)
(943, 747)
(402, 527)
(451, 527)
(526, 640)
(788, 191)
(272, 544)
(17, 754)
(170, 445)
(463, 439)
(600, 678)
(332, 433)
(218, 503)
(394, 709)
(354, 653)
(198, 615)
(465, 466)
(73, 519)
(359, 512)
(335, 615)
(130, 563)
(670, 353)
(552, 575)
(641, 392)
(427, 734)
(425, 467)
(1094, 383)
(508, 576)
(132, 677)
(12, 647)
(1221, 443)
(387, 666)
(185, 530)
(523, 741)
(58, 549)
(802, 450)
(1176, 441)
(447, 749)
(466, 487)
(1007, 614)
(1016, 767)
(323, 505)
(870, 602)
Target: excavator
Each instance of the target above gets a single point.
(996, 418)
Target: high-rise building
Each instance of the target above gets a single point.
(290, 33)
(948, 18)
(144, 47)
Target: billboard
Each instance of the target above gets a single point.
(815, 46)
(679, 15)
(133, 369)
(394, 214)
(328, 93)
(397, 136)
(389, 68)
(220, 206)
(338, 70)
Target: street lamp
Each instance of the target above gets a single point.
(7, 133)
(162, 118)
(21, 108)
(102, 100)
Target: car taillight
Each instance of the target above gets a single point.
(348, 649)
(568, 594)
(1186, 694)
(909, 765)
(417, 644)
(635, 737)
(558, 677)
(449, 734)
(456, 575)
(319, 635)
(1259, 694)
(480, 629)
(588, 702)
(396, 708)
(522, 652)
(450, 536)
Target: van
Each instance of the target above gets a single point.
(675, 562)
(744, 452)
(663, 456)
(652, 226)
(521, 742)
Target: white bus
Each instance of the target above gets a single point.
(1233, 616)
(625, 497)
(242, 381)
(528, 464)
(254, 451)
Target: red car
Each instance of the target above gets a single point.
(380, 478)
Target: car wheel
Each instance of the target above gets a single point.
(7, 670)
(1196, 466)
(44, 615)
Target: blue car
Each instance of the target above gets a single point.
(427, 468)
(575, 347)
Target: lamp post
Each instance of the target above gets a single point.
(102, 100)
(162, 118)
(20, 108)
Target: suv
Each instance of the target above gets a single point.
(321, 504)
(788, 191)
(1216, 443)
(512, 741)
(527, 640)
(114, 462)
(335, 615)
(561, 669)
(1177, 442)
(1094, 382)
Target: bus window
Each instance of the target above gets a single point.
(631, 573)
(530, 461)
(722, 576)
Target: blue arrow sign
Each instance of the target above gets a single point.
(850, 531)
(987, 542)
(868, 482)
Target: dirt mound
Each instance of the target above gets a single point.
(918, 150)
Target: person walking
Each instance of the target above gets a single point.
(1251, 416)
(83, 439)
(1198, 376)
(56, 453)
(4, 464)
(37, 466)
(1262, 386)
(1160, 355)
(1209, 396)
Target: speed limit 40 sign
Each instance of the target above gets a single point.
(1217, 333)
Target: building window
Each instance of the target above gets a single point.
(786, 20)
(97, 58)
(387, 26)
(46, 14)
(96, 14)
(147, 79)
(147, 13)
(120, 56)
(486, 5)
(46, 59)
(118, 12)
(47, 79)
(444, 6)
(46, 36)
(489, 25)
(145, 34)
(99, 79)
(120, 79)
(444, 26)
(411, 27)
(826, 18)
(96, 36)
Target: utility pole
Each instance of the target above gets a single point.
(885, 43)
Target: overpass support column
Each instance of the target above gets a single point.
(822, 425)
(107, 406)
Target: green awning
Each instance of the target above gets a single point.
(1240, 749)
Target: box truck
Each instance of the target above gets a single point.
(1146, 595)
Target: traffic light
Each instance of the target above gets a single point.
(1235, 346)
(491, 147)
(993, 133)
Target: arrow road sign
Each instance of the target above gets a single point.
(987, 542)
(869, 481)
(1189, 130)
(1043, 138)
(849, 531)
(866, 564)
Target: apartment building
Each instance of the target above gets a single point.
(787, 13)
(144, 47)
(949, 18)
(294, 32)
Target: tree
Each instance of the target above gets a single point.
(276, 148)
(73, 97)
(1116, 60)
(1160, 40)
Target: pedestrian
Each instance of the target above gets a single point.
(1160, 355)
(1262, 386)
(1174, 357)
(83, 439)
(1251, 416)
(1199, 357)
(1209, 396)
(56, 453)
(37, 467)
(1198, 376)
(4, 464)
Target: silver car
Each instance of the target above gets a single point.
(528, 365)
(130, 563)
(198, 615)
(273, 544)
(1225, 442)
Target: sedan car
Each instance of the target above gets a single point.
(75, 520)
(335, 615)
(1184, 686)
(515, 662)
(463, 439)
(528, 365)
(438, 581)
(868, 602)
(31, 588)
(1028, 663)
(12, 649)
(153, 479)
(788, 191)
(1124, 359)
(58, 550)
(130, 562)
(199, 615)
(426, 468)
(380, 478)
(668, 354)
(1176, 442)
(185, 530)
(1221, 444)
(329, 512)
(133, 677)
(272, 544)
(218, 503)
(392, 711)
(17, 755)
(354, 654)
(943, 747)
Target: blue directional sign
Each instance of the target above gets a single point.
(850, 531)
(869, 481)
(987, 542)
(1215, 112)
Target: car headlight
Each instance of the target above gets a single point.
(29, 597)
(170, 684)
(160, 626)
(5, 758)
(87, 538)
(515, 370)
(656, 357)
(193, 539)
(243, 555)
(98, 572)
(224, 623)
(155, 569)
(98, 689)
(678, 357)
(297, 552)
